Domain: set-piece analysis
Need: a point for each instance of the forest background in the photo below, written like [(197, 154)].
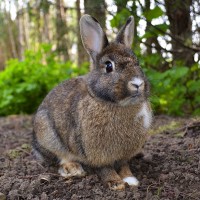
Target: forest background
[(40, 46)]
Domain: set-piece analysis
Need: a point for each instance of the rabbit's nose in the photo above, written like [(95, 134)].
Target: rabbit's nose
[(136, 84)]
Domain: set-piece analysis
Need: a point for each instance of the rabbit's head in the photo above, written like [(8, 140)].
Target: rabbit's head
[(116, 75)]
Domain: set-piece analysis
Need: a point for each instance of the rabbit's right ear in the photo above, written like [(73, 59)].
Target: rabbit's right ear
[(93, 37)]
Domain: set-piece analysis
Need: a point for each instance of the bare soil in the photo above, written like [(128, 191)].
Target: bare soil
[(168, 169)]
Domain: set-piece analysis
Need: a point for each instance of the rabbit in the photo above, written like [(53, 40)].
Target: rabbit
[(100, 119)]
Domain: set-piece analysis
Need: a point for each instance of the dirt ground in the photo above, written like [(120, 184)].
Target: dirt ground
[(168, 169)]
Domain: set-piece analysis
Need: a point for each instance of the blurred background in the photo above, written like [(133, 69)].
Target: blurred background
[(40, 46)]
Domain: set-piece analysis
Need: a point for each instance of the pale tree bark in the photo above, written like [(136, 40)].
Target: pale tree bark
[(45, 5), (46, 27), (82, 56), (12, 41), (20, 31), (10, 34), (3, 55), (61, 30), (26, 30), (38, 24)]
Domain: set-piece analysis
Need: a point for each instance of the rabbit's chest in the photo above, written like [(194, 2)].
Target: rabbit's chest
[(111, 134)]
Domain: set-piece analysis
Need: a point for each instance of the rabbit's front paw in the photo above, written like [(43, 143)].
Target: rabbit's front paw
[(116, 185), (71, 169)]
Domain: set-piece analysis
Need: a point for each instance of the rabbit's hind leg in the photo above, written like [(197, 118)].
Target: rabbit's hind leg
[(127, 176), (46, 140), (110, 177), (70, 169)]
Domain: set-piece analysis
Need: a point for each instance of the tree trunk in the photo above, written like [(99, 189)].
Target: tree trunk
[(20, 36), (149, 40), (97, 10), (61, 29), (10, 34), (46, 27), (81, 52), (11, 38), (20, 31), (178, 13), (45, 6), (153, 39), (25, 30)]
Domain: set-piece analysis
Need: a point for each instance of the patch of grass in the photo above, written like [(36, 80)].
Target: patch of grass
[(166, 127), (13, 153), (18, 151)]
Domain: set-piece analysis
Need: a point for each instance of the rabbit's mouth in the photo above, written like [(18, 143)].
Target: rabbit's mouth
[(133, 99), (136, 95)]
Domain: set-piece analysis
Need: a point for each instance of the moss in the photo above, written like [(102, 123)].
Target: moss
[(18, 151), (166, 127)]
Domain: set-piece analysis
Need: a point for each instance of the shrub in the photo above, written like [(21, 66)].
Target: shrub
[(174, 92), (23, 84)]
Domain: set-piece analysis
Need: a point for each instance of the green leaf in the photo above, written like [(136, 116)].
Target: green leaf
[(148, 34), (179, 72), (162, 27), (120, 18), (193, 85), (154, 13)]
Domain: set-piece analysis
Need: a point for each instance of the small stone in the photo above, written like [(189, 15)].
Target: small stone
[(81, 185), (2, 196), (44, 196), (88, 187), (148, 158), (177, 192), (74, 197), (163, 177), (44, 178), (13, 194), (121, 195), (155, 197), (137, 195)]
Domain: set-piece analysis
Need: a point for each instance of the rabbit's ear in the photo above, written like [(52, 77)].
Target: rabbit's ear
[(126, 33), (93, 37)]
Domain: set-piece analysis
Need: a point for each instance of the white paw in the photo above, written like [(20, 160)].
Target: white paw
[(131, 181), (63, 172)]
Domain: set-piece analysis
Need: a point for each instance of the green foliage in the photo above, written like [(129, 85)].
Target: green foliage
[(156, 30), (174, 92), (23, 84), (154, 13), (120, 18)]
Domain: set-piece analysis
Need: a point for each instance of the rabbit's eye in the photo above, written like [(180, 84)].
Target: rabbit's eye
[(109, 66)]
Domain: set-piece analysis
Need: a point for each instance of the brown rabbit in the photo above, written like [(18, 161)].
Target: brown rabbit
[(100, 119)]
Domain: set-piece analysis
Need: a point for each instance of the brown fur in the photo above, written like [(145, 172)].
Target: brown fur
[(94, 119)]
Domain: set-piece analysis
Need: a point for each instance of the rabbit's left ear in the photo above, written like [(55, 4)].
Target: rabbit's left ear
[(126, 33)]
